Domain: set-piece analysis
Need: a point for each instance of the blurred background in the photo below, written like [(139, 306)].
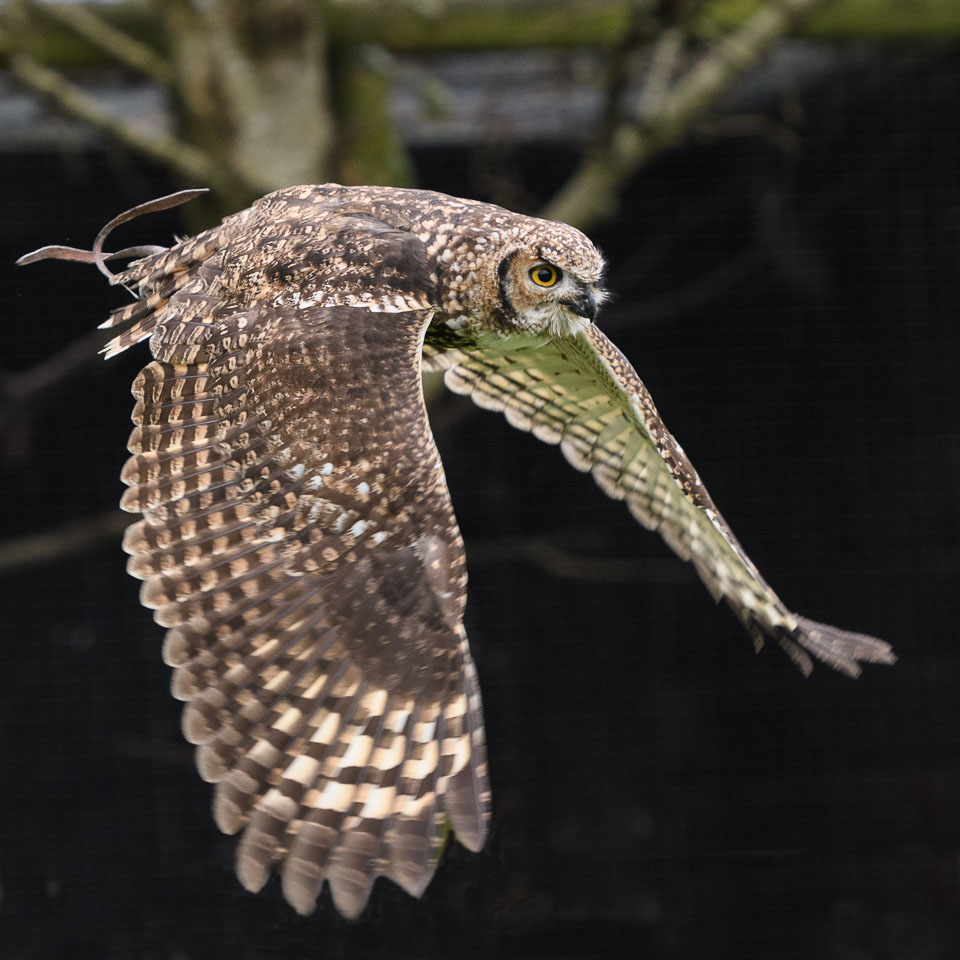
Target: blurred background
[(776, 186)]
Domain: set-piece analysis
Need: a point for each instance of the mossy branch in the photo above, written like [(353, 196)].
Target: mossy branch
[(592, 192), (115, 43), (371, 149), (182, 158), (401, 25)]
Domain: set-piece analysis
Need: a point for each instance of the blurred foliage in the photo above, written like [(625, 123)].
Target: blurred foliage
[(267, 93)]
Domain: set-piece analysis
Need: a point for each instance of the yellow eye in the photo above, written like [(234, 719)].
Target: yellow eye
[(545, 275)]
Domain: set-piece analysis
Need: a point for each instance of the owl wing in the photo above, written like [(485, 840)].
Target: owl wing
[(297, 540), (582, 393)]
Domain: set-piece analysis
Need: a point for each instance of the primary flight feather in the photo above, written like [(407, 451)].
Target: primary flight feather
[(297, 537)]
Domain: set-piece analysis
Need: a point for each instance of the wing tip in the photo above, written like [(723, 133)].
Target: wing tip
[(843, 650), (352, 874), (466, 803)]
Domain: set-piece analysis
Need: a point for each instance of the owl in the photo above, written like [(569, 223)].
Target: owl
[(296, 536)]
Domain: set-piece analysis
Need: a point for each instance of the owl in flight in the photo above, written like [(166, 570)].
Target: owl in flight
[(297, 537)]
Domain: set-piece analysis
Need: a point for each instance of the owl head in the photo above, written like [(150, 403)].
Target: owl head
[(515, 275), (548, 278), (544, 291)]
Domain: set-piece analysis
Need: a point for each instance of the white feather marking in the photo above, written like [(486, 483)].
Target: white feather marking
[(379, 803), (456, 383), (487, 401), (264, 753), (424, 732), (458, 750), (327, 730), (278, 805), (419, 769), (517, 418), (289, 721), (303, 770), (357, 752), (575, 456), (335, 796), (357, 529), (545, 432), (386, 758), (413, 807)]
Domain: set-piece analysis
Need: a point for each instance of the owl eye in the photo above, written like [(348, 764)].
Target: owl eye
[(545, 275)]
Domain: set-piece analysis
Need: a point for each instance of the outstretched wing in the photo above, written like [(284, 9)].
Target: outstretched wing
[(299, 543), (582, 393)]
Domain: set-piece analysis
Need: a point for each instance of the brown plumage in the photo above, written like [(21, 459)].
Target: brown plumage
[(297, 538)]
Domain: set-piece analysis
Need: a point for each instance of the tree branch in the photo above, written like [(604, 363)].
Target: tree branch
[(185, 160), (401, 25), (592, 192), (70, 540), (620, 66), (117, 44), (663, 66), (21, 388)]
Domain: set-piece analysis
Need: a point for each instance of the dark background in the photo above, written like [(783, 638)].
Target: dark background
[(659, 791)]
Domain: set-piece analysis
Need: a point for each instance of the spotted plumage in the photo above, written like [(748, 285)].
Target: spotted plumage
[(297, 538)]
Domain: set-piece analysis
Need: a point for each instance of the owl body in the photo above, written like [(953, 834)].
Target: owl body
[(297, 537)]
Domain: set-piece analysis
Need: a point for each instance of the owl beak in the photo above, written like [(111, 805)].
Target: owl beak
[(584, 305)]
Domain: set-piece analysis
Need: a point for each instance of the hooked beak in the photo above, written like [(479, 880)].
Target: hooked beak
[(584, 305)]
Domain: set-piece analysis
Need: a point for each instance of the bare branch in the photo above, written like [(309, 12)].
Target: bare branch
[(259, 107), (70, 540), (20, 388), (403, 26), (592, 191), (663, 67), (117, 44), (183, 158), (19, 392), (619, 65)]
